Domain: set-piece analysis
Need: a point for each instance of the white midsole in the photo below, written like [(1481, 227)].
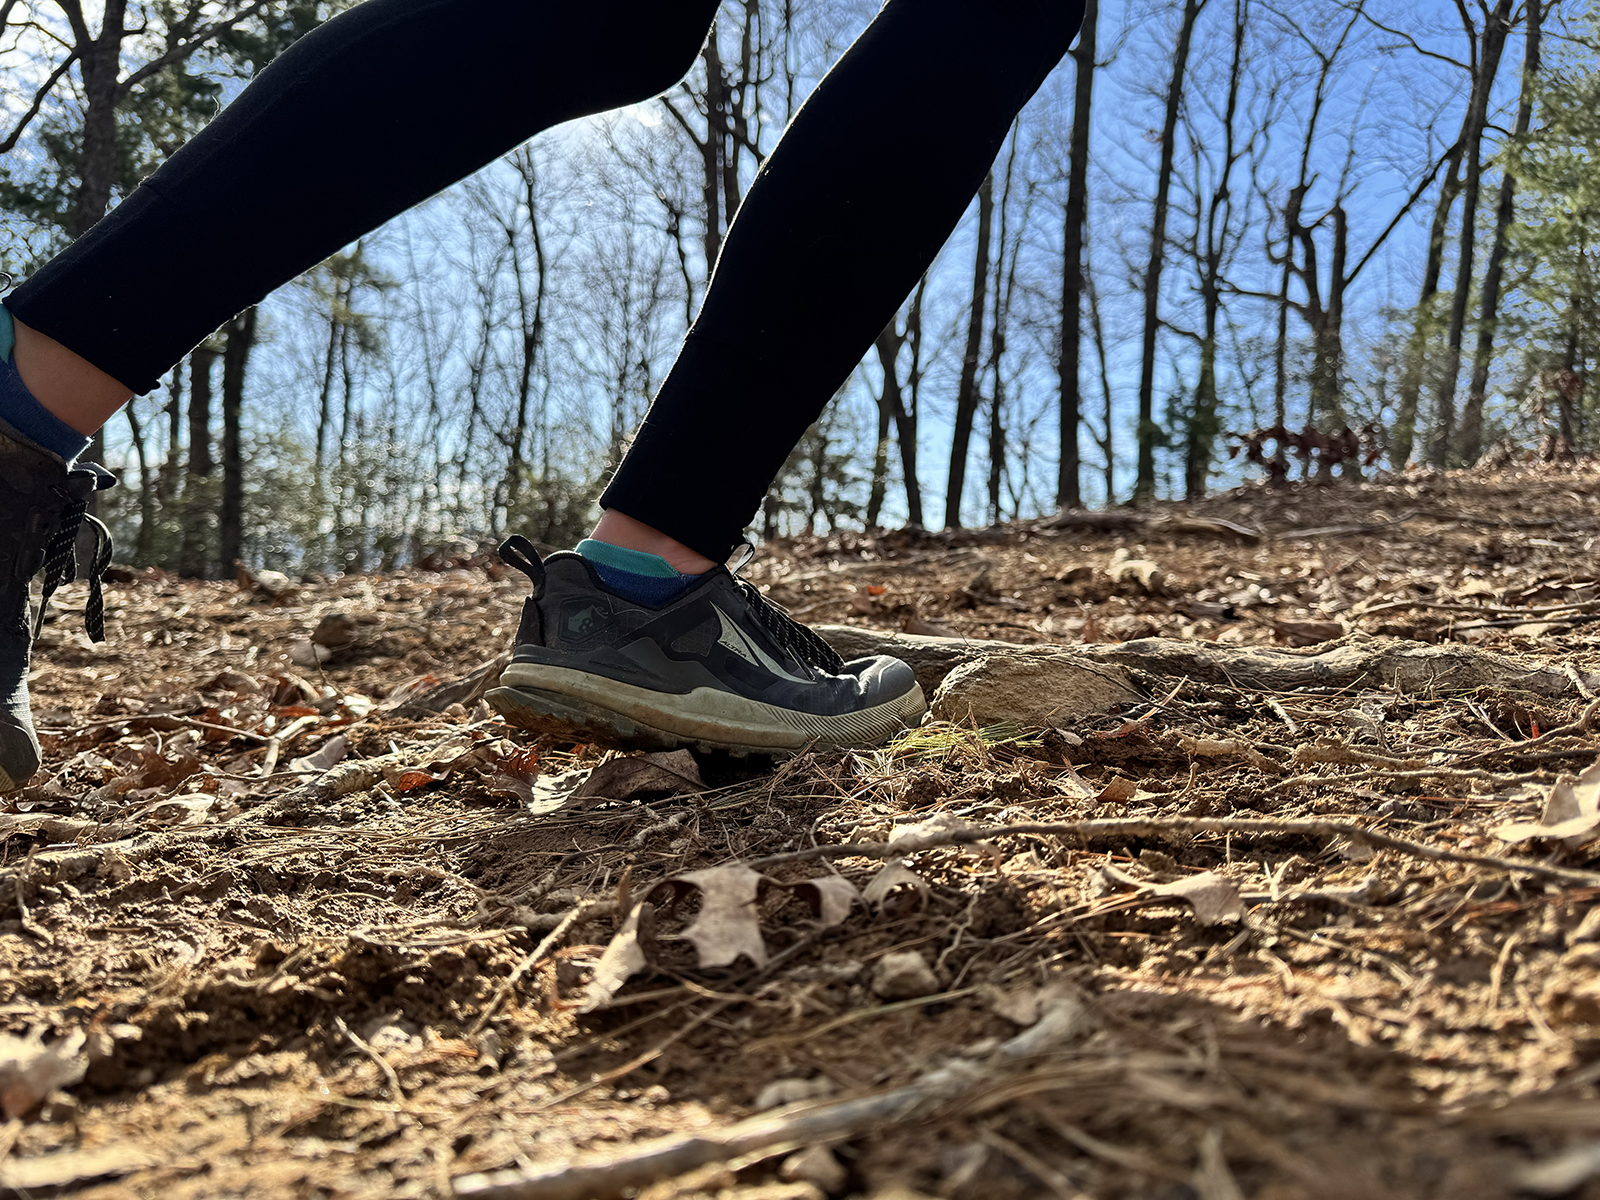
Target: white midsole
[(718, 715)]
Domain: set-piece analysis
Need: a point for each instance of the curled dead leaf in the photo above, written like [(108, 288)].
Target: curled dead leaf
[(627, 954), (674, 773), (1571, 811), (893, 877)]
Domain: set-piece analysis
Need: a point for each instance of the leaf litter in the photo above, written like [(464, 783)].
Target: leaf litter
[(1297, 954)]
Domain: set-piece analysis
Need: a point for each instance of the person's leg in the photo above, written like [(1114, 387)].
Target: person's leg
[(841, 221), (843, 218), (364, 117), (367, 115)]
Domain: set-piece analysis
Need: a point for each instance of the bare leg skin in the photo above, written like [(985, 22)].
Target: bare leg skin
[(71, 388), (619, 529)]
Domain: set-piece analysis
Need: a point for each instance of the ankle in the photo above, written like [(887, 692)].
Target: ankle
[(619, 529), (69, 387)]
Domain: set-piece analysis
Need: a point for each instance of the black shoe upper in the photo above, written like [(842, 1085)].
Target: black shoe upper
[(721, 633), (43, 504)]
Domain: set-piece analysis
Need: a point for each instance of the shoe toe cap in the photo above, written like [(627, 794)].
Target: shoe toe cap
[(882, 678)]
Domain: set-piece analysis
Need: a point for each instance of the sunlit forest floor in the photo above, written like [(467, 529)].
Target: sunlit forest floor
[(278, 921)]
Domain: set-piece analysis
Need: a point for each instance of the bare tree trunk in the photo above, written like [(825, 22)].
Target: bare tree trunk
[(967, 390), (713, 148), (907, 408), (1109, 446), (1145, 482), (531, 311), (167, 476), (1203, 426), (144, 542), (1494, 271), (193, 558), (100, 62), (1069, 492), (1004, 285), (1497, 24), (241, 339)]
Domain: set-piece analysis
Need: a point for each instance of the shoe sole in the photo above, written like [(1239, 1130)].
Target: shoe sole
[(577, 706)]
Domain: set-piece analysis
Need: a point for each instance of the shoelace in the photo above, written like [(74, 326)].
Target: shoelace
[(61, 563), (800, 642)]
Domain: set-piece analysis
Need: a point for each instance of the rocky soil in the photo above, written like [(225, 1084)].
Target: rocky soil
[(1259, 861)]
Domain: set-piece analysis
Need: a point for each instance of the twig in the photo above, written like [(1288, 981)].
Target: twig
[(1579, 727), (367, 1048), (1175, 827), (524, 966), (603, 1177)]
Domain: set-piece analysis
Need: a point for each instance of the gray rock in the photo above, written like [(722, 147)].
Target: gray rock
[(1031, 689), (903, 976)]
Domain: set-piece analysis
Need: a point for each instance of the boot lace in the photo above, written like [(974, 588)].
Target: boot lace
[(61, 563), (801, 643)]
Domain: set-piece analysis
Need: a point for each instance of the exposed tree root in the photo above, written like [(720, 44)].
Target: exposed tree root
[(1356, 661)]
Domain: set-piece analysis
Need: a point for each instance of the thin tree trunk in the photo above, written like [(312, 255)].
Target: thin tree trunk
[(1145, 481), (908, 407), (1069, 492), (967, 390), (1004, 283), (241, 339), (167, 476), (888, 345), (1098, 329), (1495, 28), (1494, 271), (1203, 426), (100, 62), (193, 558), (144, 542), (714, 148)]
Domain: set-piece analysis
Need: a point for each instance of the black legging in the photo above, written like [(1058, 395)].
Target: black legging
[(393, 100)]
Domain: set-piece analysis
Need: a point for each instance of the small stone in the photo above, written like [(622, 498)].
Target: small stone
[(792, 1091), (903, 976), (815, 1165)]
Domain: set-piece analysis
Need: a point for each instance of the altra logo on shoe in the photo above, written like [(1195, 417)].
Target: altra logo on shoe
[(735, 640), (584, 622)]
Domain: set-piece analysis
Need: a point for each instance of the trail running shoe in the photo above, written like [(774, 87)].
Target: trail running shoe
[(43, 503), (719, 668)]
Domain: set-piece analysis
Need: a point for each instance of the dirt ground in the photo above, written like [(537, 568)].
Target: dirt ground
[(273, 926)]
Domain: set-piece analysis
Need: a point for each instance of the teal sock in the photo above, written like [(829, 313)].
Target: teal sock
[(642, 577), (22, 411)]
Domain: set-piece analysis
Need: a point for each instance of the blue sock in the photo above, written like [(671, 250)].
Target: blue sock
[(645, 578), (26, 415)]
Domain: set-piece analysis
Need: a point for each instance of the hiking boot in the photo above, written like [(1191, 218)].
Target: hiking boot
[(719, 668), (43, 503)]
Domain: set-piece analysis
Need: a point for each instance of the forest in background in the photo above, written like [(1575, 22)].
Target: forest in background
[(1224, 235)]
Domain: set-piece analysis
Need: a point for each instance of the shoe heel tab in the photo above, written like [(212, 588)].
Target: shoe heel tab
[(517, 551)]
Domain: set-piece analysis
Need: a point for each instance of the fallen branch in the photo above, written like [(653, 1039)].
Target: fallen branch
[(1176, 827), (602, 1177), (1356, 661)]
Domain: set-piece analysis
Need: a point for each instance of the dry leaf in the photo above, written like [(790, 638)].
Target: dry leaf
[(890, 879), (409, 779), (1215, 898), (329, 754), (30, 1070), (626, 955), (729, 923), (1571, 811), (674, 773), (193, 809), (831, 897), (1118, 791)]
